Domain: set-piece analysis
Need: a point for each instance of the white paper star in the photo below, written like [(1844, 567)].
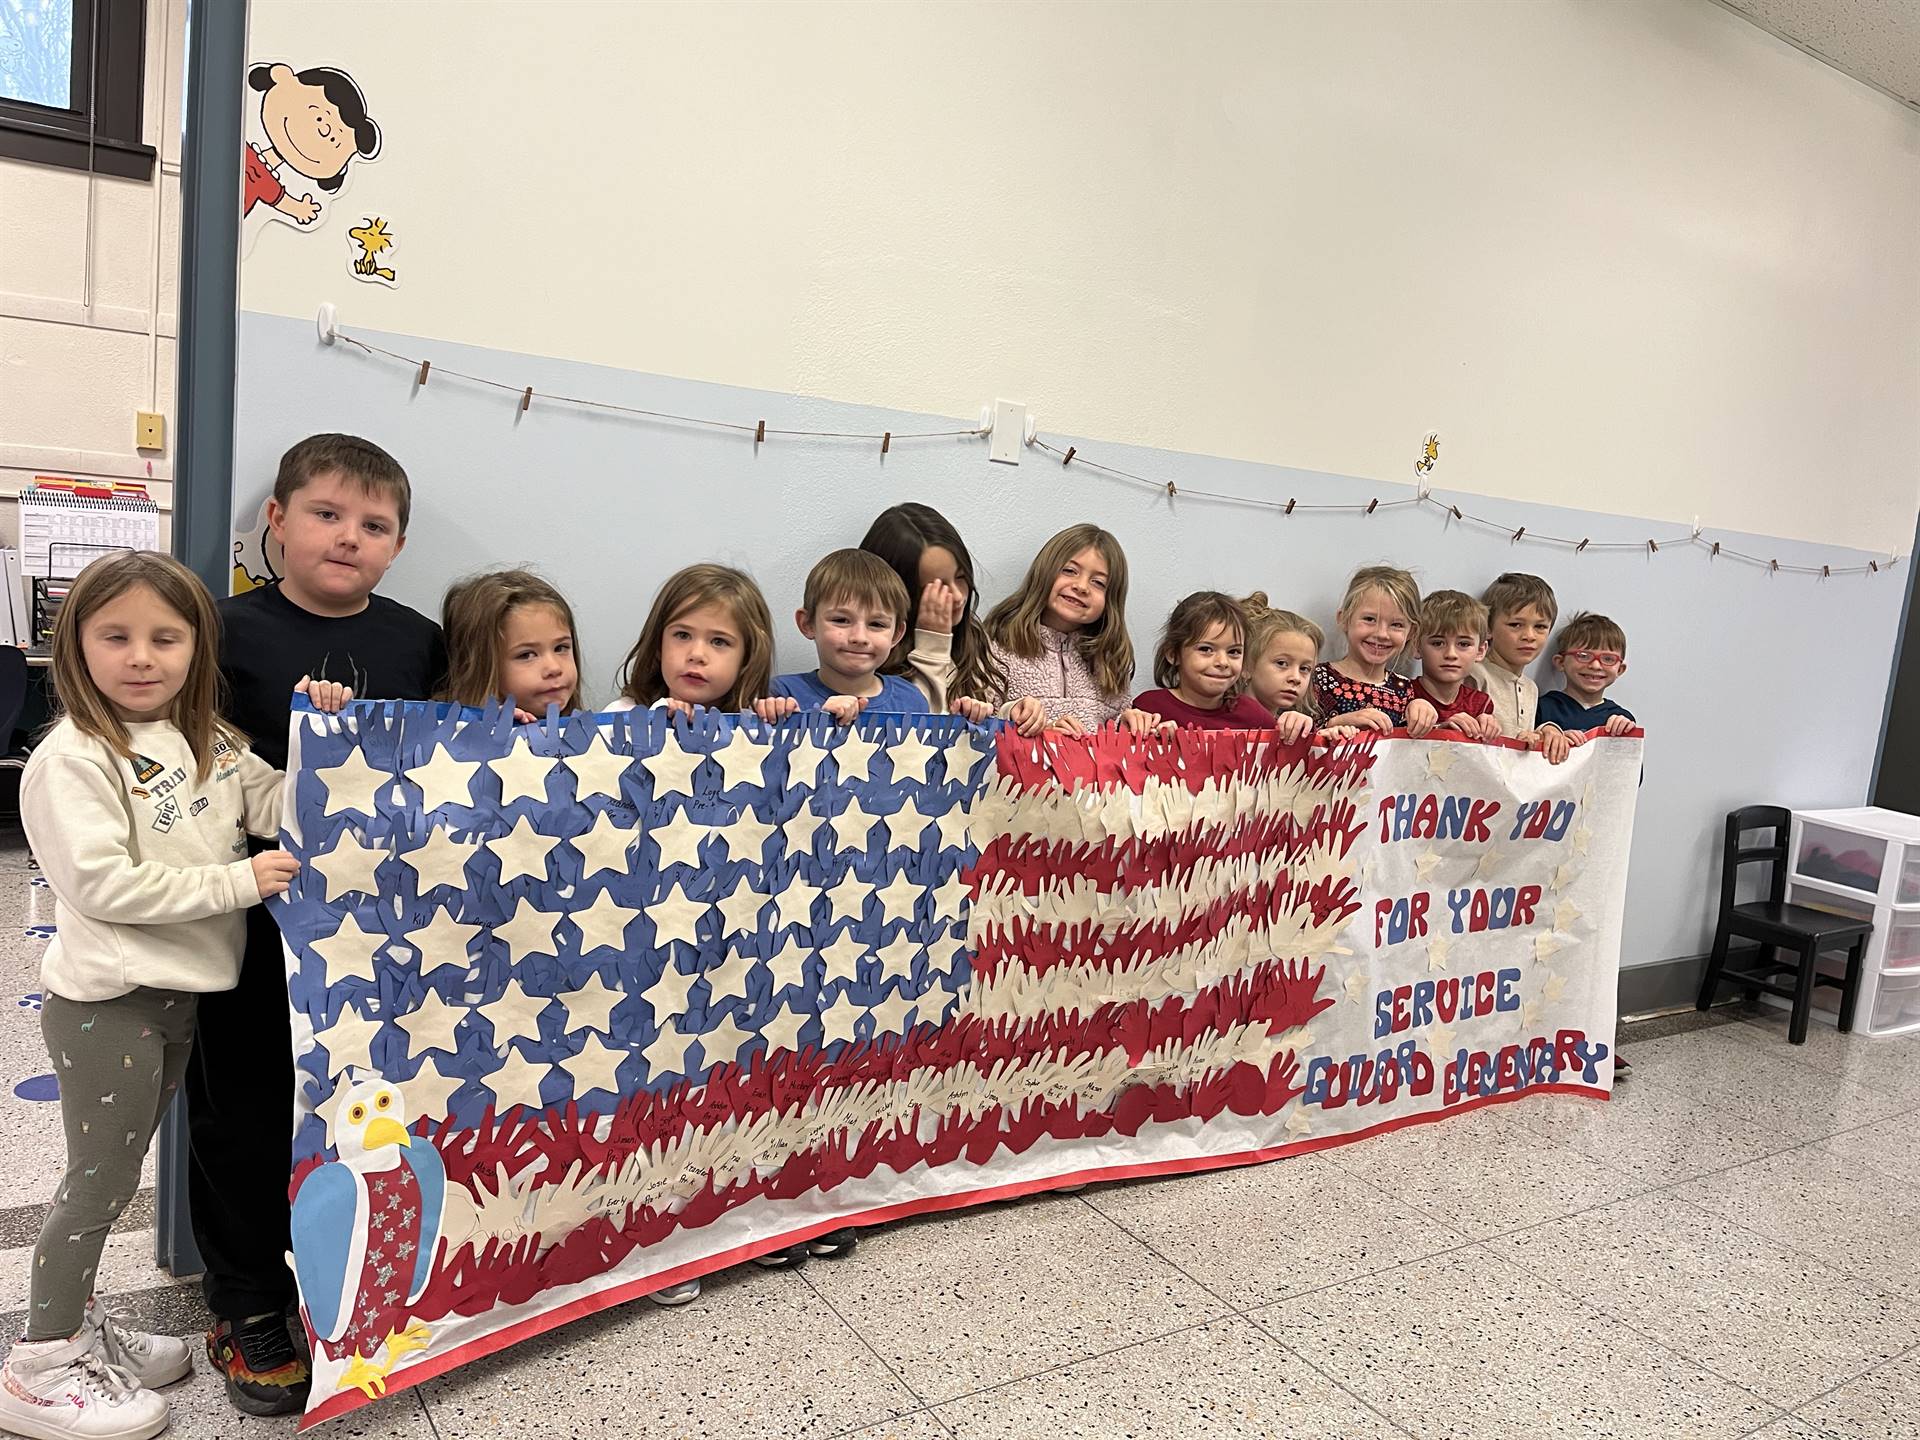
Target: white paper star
[(591, 1006), (950, 898), (1440, 758), (795, 900), (788, 965), (514, 1016), (672, 768), (849, 897), (906, 825), (1437, 949), (523, 774), (350, 950), (781, 1030), (740, 758), (1427, 862), (910, 755), (349, 866), (430, 1025), (429, 1093), (740, 910), (516, 1082), (837, 1020), (595, 1066), (349, 1040), (1555, 987), (1547, 944), (746, 838), (1298, 1125), (955, 824), (897, 956), (351, 785), (1582, 837), (1492, 861), (1564, 914), (667, 996), (898, 897), (1565, 875), (731, 976), (891, 1013), (1358, 984), (443, 941), (800, 829), (597, 770), (530, 931), (605, 846), (721, 1044), (444, 780), (963, 757), (667, 1055), (442, 860), (842, 958), (523, 850), (803, 761), (603, 924), (680, 840), (851, 825), (675, 917)]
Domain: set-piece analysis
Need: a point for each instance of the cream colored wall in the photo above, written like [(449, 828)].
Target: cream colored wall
[(1635, 256), (87, 304)]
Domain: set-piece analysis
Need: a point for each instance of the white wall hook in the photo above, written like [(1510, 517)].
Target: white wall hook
[(1033, 426), (327, 323)]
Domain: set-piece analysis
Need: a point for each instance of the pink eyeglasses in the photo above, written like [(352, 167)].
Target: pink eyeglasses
[(1612, 659)]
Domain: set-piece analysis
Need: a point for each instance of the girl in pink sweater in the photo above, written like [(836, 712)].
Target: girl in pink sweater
[(1062, 639)]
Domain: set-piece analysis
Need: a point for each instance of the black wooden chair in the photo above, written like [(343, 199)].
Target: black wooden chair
[(1798, 931)]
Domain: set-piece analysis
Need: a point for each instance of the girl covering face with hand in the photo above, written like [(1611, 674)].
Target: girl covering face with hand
[(945, 649)]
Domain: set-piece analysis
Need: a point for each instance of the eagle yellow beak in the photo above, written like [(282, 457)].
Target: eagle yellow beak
[(384, 1130)]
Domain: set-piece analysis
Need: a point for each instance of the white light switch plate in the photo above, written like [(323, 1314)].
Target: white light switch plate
[(1009, 431)]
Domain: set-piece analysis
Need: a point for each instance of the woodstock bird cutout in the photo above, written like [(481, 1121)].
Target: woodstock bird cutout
[(365, 1228), (374, 239)]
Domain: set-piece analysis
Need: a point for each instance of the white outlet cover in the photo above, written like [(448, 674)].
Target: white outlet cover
[(1009, 431)]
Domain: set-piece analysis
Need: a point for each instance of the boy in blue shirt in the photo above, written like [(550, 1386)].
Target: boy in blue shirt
[(855, 611), (1591, 654)]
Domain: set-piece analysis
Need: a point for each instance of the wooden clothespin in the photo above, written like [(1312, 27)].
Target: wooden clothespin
[(1715, 550), (1826, 572), (526, 400), (1456, 512), (886, 441), (1290, 505), (421, 378), (760, 433), (1581, 546), (1373, 504), (1873, 567), (1653, 547), (1067, 459), (1170, 490), (1518, 533), (1772, 565)]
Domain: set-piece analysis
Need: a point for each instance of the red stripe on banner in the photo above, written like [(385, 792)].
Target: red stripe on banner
[(430, 1366)]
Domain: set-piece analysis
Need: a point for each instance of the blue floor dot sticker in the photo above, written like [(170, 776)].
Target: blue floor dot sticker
[(38, 1087), (29, 1001), (39, 932)]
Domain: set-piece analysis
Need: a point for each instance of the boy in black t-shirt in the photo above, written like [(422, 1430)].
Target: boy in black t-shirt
[(339, 510)]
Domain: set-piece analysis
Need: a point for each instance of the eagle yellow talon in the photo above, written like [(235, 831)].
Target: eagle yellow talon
[(407, 1342), (365, 1376)]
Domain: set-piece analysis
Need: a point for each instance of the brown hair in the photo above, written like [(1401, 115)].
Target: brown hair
[(856, 577), (1014, 624), (1451, 612), (1396, 584), (899, 535), (1588, 631), (358, 460), (474, 616), (1264, 623), (689, 589), (1514, 591), (1192, 618), (195, 711)]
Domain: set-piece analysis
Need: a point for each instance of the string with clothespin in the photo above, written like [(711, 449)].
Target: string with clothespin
[(759, 430), (1515, 534)]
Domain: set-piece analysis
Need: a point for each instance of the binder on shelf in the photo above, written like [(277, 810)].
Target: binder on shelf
[(65, 524)]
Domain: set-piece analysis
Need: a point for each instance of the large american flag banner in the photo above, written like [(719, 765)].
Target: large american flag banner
[(588, 1007)]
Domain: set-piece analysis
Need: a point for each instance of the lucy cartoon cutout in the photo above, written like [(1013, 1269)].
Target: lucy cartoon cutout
[(315, 123)]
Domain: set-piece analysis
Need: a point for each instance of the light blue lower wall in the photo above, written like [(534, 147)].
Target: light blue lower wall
[(1753, 687)]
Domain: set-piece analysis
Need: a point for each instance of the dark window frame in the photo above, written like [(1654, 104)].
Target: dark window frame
[(101, 129)]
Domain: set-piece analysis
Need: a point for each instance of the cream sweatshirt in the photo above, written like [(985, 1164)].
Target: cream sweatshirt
[(1515, 697), (147, 864)]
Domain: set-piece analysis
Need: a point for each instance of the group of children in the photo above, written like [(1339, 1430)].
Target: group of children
[(152, 804)]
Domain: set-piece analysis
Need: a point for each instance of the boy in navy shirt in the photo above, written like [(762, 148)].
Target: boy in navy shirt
[(1592, 654), (854, 611)]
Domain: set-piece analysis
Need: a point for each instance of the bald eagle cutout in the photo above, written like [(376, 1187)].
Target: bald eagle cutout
[(365, 1228)]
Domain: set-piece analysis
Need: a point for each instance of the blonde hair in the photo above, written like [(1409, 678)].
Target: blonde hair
[(690, 589), (1192, 618), (1397, 585), (856, 577), (1014, 624), (474, 616), (1265, 624), (195, 711), (1452, 612), (1588, 631), (1514, 591)]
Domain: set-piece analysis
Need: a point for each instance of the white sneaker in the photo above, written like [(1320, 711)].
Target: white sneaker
[(683, 1293), (152, 1360), (61, 1389)]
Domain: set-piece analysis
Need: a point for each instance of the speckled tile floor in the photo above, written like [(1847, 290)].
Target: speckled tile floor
[(1731, 1247)]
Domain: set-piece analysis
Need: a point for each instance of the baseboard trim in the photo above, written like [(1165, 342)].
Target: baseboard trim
[(1670, 985)]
